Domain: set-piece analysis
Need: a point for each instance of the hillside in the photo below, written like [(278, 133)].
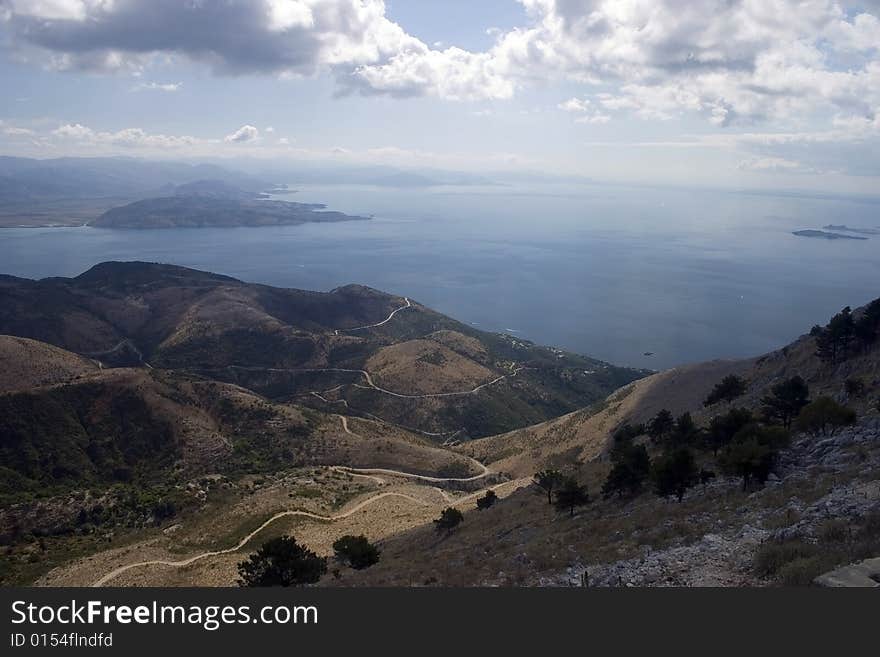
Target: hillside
[(327, 350), (118, 450), (818, 510), (27, 364)]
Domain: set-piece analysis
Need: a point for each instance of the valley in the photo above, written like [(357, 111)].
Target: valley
[(160, 423)]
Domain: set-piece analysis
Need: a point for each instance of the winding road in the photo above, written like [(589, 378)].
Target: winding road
[(356, 472), (367, 473), (384, 321), (372, 385)]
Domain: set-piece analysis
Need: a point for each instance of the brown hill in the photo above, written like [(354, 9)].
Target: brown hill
[(288, 344), (28, 363)]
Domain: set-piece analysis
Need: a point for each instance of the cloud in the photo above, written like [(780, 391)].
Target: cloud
[(769, 164), (729, 61), (128, 137), (157, 86), (574, 105), (245, 134)]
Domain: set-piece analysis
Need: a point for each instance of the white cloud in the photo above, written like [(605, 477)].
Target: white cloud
[(769, 164), (128, 137), (575, 105), (245, 134), (169, 87), (729, 61)]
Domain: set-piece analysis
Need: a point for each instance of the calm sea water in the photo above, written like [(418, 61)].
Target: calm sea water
[(613, 272)]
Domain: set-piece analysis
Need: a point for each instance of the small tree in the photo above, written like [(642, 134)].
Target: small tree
[(753, 452), (727, 390), (487, 500), (630, 470), (723, 428), (824, 417), (571, 495), (854, 388), (661, 424), (449, 519), (549, 480), (356, 551), (786, 401), (833, 342), (685, 433), (281, 562), (674, 473)]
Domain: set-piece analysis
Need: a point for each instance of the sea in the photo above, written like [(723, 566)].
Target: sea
[(640, 276)]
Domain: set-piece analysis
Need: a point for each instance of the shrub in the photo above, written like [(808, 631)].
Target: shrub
[(675, 472), (356, 551), (771, 557), (487, 500), (802, 572), (449, 519), (281, 562), (824, 417), (631, 468), (549, 480), (727, 390), (786, 400), (571, 495)]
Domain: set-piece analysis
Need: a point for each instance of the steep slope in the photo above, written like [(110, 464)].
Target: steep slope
[(28, 363), (289, 344), (819, 509)]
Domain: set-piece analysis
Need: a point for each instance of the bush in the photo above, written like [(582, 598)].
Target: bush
[(449, 519), (549, 480), (753, 452), (281, 562), (356, 551), (487, 500), (824, 417), (630, 470), (674, 473), (771, 557), (786, 401), (727, 390), (802, 572), (571, 495)]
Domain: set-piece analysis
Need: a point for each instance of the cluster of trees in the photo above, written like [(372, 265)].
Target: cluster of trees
[(284, 562), (563, 491), (846, 335), (281, 562), (745, 444)]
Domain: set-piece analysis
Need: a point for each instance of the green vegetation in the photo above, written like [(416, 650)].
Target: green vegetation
[(727, 390), (449, 519), (80, 435), (356, 551), (674, 473), (824, 417), (631, 468), (753, 452), (487, 501), (785, 401), (722, 428), (846, 335), (571, 495), (661, 425), (281, 562), (549, 480)]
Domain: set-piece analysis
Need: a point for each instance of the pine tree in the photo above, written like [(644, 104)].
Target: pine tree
[(786, 401)]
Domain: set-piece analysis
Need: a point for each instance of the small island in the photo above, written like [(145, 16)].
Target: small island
[(822, 234), (846, 229)]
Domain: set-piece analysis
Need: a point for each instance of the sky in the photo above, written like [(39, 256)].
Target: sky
[(781, 94)]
